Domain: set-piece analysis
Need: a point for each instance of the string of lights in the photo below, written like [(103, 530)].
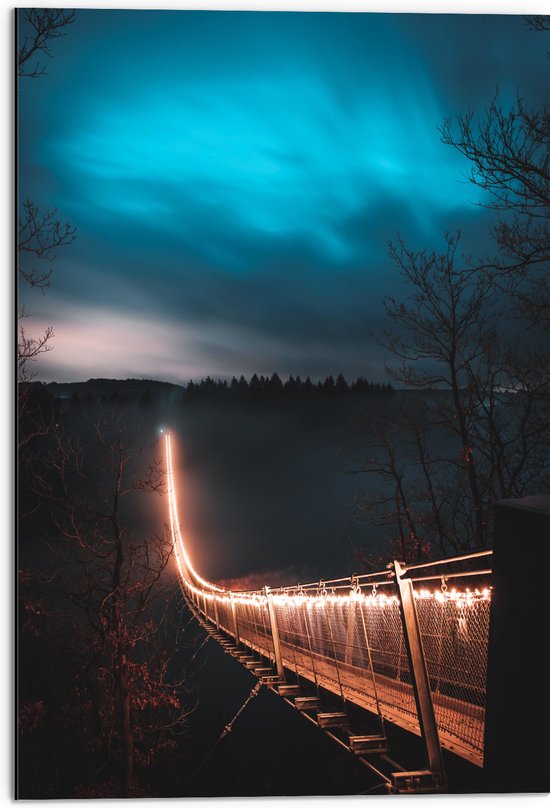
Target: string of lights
[(344, 591)]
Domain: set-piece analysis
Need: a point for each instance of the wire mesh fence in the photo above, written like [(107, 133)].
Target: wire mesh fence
[(348, 636), (455, 634)]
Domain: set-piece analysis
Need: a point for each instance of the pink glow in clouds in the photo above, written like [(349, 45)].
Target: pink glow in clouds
[(92, 342), (98, 342)]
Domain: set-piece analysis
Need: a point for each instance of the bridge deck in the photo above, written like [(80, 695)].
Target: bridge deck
[(355, 638), (395, 697)]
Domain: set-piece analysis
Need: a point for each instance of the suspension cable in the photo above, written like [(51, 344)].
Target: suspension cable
[(226, 730), (203, 643)]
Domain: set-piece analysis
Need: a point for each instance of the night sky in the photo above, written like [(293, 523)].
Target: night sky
[(234, 179)]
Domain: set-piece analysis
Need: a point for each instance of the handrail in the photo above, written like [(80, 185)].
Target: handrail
[(187, 571), (480, 554), (402, 660)]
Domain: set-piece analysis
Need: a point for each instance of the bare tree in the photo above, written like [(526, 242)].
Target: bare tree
[(393, 504), (509, 153), (477, 429), (460, 331), (41, 25), (421, 491), (439, 338), (538, 22), (40, 234), (107, 588)]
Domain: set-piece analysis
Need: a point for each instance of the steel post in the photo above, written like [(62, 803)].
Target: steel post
[(274, 633), (235, 621), (419, 672)]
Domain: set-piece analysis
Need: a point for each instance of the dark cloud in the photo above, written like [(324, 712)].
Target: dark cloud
[(235, 178)]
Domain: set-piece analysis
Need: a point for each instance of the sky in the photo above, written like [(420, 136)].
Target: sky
[(234, 178)]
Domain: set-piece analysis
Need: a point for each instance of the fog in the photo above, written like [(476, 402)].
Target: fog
[(266, 493)]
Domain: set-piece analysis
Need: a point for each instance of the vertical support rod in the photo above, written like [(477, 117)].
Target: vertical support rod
[(331, 635), (308, 635), (216, 615), (235, 622), (371, 666), (205, 606), (419, 672), (350, 633), (274, 633)]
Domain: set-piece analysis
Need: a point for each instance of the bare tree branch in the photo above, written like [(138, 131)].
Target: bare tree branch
[(43, 25)]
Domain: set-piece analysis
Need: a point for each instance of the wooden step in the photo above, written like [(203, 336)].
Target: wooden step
[(417, 782), (306, 702), (332, 719), (289, 690), (368, 744)]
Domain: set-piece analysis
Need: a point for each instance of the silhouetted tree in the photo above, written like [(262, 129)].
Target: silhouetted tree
[(275, 384), (39, 26), (393, 506), (448, 334), (509, 152), (290, 385), (495, 414), (265, 389), (40, 234), (254, 387), (341, 384), (102, 595)]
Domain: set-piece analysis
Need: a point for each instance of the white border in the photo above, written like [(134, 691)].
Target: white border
[(7, 353)]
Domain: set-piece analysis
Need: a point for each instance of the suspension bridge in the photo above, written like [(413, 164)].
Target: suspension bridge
[(406, 646)]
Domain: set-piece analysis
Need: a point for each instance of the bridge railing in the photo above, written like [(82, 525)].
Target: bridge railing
[(348, 635)]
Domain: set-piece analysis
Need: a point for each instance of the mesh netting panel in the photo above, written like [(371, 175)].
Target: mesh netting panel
[(289, 633), (455, 635), (354, 645), (253, 626), (246, 623), (379, 623)]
